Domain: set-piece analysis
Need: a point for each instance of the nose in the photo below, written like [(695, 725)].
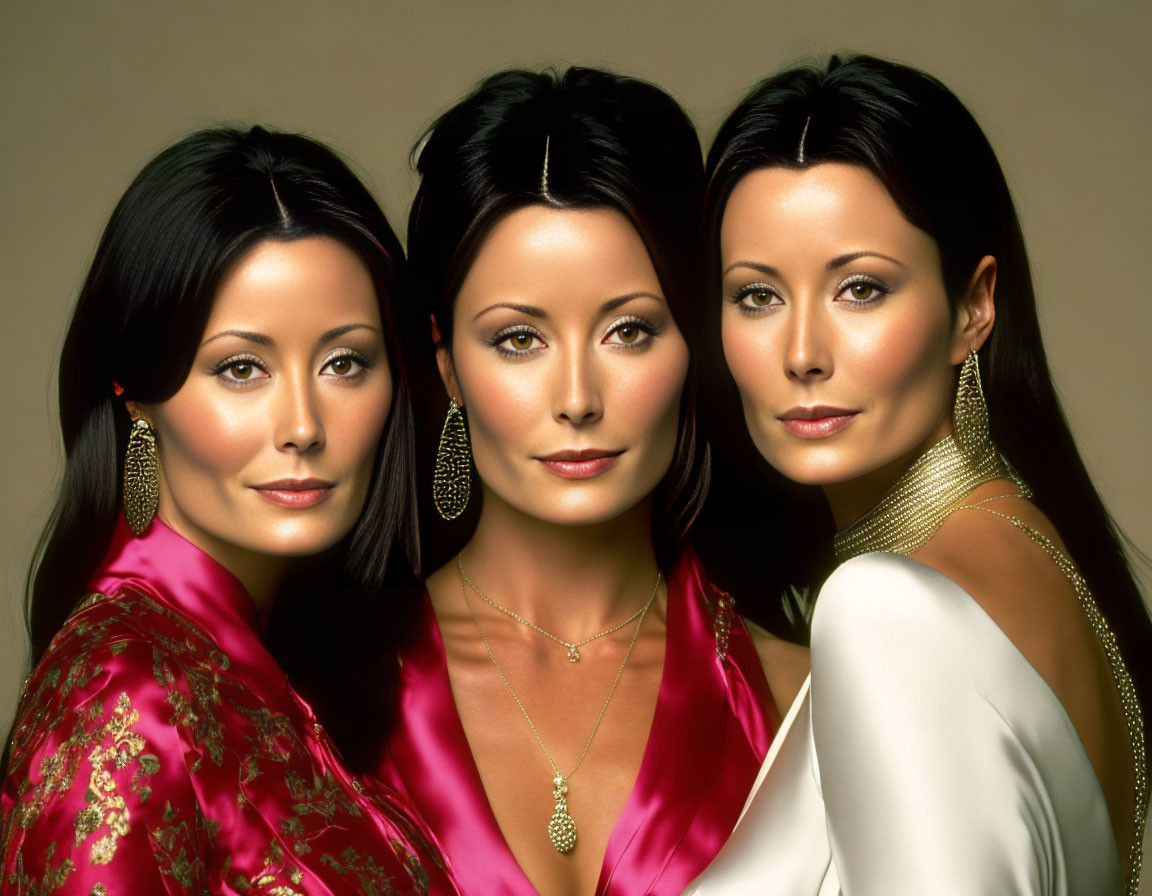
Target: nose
[(577, 396), (807, 353), (299, 424)]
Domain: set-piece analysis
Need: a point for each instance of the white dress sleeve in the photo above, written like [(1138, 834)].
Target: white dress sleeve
[(945, 762)]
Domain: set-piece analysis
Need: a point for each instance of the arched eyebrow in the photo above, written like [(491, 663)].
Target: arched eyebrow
[(540, 313), (753, 265), (838, 262), (263, 339), (246, 335)]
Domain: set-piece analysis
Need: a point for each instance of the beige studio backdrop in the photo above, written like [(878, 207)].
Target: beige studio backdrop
[(90, 91)]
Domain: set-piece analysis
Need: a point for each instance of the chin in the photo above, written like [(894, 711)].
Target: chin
[(813, 470), (581, 513), (303, 541)]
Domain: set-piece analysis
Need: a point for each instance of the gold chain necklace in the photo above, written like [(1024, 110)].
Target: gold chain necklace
[(573, 646), (1129, 703), (561, 827), (909, 514)]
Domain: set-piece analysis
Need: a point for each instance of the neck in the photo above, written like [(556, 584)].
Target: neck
[(575, 578), (852, 499), (909, 512), (260, 574)]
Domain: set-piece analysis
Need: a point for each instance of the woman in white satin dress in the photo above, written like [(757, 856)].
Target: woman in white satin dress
[(973, 720)]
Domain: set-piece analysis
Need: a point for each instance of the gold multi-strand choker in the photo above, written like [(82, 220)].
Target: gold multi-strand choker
[(915, 507)]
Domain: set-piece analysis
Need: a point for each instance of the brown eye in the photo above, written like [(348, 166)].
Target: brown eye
[(863, 292), (628, 335), (241, 370), (755, 297), (342, 366), (522, 341)]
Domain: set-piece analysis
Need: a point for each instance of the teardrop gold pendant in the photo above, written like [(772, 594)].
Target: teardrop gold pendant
[(561, 827)]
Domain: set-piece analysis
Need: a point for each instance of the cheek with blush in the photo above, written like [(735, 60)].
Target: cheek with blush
[(755, 363)]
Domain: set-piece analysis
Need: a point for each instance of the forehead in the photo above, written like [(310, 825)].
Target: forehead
[(828, 207), (558, 258), (293, 284)]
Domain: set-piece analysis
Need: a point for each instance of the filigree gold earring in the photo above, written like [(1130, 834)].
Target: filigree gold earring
[(970, 412), (141, 476), (452, 477)]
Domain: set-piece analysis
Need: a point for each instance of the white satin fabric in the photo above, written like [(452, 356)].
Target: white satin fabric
[(924, 755)]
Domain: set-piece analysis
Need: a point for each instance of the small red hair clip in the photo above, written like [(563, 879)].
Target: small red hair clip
[(117, 389)]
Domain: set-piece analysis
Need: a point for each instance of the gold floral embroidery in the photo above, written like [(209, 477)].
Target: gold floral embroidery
[(176, 849), (106, 806), (277, 877), (233, 729), (373, 879), (274, 738), (50, 881)]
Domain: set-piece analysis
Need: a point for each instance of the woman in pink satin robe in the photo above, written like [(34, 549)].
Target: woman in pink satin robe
[(232, 400), (581, 711)]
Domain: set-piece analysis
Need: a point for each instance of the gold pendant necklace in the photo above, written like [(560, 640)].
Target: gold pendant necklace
[(561, 826), (909, 514), (573, 646)]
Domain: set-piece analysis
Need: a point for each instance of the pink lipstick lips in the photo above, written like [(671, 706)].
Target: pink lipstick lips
[(295, 493), (816, 422), (583, 464)]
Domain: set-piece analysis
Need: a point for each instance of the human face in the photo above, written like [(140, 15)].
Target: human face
[(569, 364), (836, 324), (266, 450)]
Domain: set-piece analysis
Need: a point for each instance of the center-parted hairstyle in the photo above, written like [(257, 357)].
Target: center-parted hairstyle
[(917, 138), (191, 213), (610, 142)]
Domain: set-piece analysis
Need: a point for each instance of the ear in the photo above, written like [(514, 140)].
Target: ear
[(976, 312), (444, 364), (137, 411)]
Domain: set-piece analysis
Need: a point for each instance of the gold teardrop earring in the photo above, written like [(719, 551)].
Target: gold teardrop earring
[(141, 476), (452, 477), (970, 412)]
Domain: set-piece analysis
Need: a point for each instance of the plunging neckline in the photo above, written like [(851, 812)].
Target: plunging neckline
[(647, 840)]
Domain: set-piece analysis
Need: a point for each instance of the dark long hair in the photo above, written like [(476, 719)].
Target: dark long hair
[(919, 140), (613, 142), (190, 213)]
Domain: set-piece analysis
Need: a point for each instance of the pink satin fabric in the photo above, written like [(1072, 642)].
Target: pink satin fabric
[(159, 749), (713, 725)]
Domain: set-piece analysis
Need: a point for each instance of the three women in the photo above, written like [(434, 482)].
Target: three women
[(571, 672)]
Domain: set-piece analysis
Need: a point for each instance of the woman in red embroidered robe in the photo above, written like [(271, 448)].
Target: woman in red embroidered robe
[(235, 349)]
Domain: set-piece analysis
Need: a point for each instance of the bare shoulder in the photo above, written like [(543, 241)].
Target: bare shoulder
[(1016, 582), (785, 664)]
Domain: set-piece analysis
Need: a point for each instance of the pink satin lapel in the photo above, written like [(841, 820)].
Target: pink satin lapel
[(712, 728), (430, 763)]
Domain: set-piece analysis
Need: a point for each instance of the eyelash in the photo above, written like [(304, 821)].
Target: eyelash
[(752, 288), (862, 280), (349, 355), (504, 335), (226, 365), (646, 327)]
